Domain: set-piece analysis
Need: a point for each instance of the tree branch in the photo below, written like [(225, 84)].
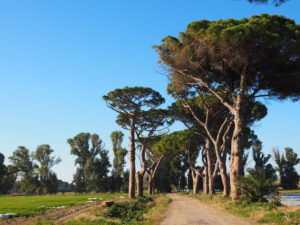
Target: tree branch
[(205, 84)]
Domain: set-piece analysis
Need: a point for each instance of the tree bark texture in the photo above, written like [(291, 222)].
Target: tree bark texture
[(225, 178), (131, 188), (196, 178), (205, 183), (211, 189), (236, 148), (139, 184), (151, 185)]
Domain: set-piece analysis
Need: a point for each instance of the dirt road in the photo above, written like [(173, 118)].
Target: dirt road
[(185, 210)]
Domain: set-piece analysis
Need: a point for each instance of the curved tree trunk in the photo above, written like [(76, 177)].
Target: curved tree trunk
[(211, 189), (131, 188), (224, 177)]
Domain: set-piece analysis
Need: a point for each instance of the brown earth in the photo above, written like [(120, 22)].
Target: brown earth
[(184, 210)]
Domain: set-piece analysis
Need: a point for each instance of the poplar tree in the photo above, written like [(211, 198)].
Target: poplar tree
[(92, 160), (119, 152), (23, 166), (7, 179), (119, 160), (48, 179)]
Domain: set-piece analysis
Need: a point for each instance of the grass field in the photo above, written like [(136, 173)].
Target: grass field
[(32, 205)]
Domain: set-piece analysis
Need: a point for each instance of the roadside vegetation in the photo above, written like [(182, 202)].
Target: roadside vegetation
[(260, 212), (142, 211)]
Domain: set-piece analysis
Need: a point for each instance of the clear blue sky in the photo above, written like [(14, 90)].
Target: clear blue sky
[(58, 57)]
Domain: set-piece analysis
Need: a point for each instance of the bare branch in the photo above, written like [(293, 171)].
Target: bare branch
[(212, 90)]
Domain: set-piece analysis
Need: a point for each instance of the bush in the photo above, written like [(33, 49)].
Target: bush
[(126, 211), (129, 211), (256, 186)]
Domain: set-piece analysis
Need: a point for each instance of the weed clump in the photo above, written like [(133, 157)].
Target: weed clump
[(130, 211)]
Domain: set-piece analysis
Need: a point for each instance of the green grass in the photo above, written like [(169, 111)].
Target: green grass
[(32, 205), (260, 212)]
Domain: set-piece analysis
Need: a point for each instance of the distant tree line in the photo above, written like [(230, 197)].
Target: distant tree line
[(275, 2), (30, 173)]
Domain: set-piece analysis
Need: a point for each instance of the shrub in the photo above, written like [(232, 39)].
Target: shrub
[(126, 211), (256, 186)]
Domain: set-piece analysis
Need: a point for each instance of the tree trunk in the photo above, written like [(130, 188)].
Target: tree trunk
[(211, 185), (222, 168), (236, 148), (139, 184), (195, 177), (140, 174), (224, 177), (205, 183), (179, 183), (211, 189), (151, 185), (131, 188)]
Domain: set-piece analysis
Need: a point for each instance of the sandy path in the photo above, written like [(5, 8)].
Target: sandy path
[(185, 210)]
